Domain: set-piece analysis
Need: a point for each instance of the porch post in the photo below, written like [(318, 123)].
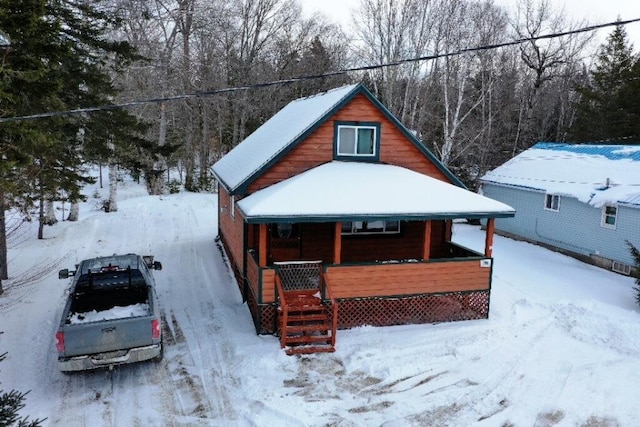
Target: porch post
[(337, 243), (426, 244), (262, 248), (488, 241), (448, 230)]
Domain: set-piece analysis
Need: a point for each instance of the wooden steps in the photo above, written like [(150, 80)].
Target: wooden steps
[(305, 325)]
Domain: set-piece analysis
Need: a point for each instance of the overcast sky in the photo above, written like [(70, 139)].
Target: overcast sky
[(594, 11)]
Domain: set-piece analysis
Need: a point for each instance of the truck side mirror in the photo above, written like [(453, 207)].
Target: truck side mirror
[(157, 265), (63, 274)]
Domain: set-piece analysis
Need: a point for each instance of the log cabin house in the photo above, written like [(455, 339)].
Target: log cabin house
[(334, 215)]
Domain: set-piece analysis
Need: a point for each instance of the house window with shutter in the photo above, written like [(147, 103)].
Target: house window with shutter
[(357, 141), (552, 202), (609, 216)]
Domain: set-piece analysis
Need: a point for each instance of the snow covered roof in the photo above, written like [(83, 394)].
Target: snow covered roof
[(292, 124), (354, 190), (594, 174), (276, 134)]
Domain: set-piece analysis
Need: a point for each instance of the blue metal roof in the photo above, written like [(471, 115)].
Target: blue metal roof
[(611, 152)]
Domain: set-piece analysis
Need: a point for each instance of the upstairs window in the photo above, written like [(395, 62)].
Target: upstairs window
[(371, 227), (357, 140), (609, 216), (552, 202)]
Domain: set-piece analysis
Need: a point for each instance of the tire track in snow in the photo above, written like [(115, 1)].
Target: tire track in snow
[(199, 373)]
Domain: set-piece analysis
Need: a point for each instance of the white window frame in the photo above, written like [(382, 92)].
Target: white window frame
[(548, 202), (605, 214), (355, 145), (621, 268), (361, 228)]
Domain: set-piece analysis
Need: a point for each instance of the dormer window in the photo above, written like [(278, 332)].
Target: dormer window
[(357, 140)]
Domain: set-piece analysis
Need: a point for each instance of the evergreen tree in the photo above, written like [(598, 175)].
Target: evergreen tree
[(60, 58), (11, 403), (605, 111)]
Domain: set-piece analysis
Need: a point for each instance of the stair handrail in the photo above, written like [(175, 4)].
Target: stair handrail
[(334, 307), (285, 309)]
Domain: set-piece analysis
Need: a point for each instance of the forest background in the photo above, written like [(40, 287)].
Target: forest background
[(158, 85)]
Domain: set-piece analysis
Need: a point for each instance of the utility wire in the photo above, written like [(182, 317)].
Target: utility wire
[(201, 94)]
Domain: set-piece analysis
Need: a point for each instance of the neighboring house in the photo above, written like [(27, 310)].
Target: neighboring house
[(582, 200), (334, 215)]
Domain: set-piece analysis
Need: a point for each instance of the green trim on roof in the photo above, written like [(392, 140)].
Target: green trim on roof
[(242, 188), (411, 137), (272, 219)]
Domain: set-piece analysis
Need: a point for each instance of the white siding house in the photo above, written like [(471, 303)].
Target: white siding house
[(583, 200)]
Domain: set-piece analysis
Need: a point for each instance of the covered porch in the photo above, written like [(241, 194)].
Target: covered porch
[(383, 242), (415, 276)]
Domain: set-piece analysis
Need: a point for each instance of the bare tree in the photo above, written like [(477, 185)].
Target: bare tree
[(545, 59)]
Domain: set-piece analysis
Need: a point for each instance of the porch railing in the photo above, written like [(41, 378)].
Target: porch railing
[(293, 278)]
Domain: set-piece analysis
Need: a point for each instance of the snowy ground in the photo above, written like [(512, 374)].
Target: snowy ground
[(561, 346)]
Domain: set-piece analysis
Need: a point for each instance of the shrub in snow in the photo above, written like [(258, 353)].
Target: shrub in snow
[(10, 404), (174, 186)]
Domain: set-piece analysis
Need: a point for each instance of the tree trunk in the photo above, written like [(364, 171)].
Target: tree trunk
[(74, 212), (113, 188), (41, 218), (4, 272), (49, 213)]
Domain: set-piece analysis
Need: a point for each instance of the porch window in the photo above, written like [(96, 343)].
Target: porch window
[(609, 216), (552, 202), (371, 227), (357, 140)]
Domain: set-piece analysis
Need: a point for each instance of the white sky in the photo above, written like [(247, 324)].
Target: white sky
[(595, 11)]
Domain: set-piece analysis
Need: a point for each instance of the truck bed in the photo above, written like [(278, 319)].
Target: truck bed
[(111, 316)]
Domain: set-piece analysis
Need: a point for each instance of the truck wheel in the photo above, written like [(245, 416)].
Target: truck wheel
[(159, 357)]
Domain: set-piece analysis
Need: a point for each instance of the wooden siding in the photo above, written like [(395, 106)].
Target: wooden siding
[(268, 286), (387, 280), (317, 148), (231, 229), (253, 273)]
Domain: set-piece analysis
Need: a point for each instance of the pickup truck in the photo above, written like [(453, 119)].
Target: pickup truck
[(111, 316)]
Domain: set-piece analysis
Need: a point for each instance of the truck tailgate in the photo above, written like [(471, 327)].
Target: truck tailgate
[(107, 335)]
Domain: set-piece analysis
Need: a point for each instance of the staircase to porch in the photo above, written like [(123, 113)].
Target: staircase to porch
[(307, 323)]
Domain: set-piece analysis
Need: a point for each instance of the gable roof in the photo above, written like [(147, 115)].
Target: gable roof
[(281, 133), (594, 174), (351, 191)]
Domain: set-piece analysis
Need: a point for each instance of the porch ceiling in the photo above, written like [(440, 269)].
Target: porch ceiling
[(347, 191)]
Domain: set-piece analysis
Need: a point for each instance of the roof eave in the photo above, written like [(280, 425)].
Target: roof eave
[(316, 218), (242, 187), (411, 137)]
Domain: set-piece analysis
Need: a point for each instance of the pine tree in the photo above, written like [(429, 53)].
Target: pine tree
[(60, 58), (11, 403), (604, 111), (635, 252)]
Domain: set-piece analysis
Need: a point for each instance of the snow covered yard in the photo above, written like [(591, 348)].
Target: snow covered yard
[(561, 346)]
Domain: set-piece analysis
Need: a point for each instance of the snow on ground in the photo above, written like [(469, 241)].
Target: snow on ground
[(561, 346)]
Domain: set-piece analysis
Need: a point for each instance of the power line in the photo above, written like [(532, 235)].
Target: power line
[(201, 94)]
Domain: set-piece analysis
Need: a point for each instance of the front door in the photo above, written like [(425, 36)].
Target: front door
[(285, 242)]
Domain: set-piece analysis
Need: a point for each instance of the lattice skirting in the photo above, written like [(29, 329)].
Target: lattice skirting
[(391, 311)]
